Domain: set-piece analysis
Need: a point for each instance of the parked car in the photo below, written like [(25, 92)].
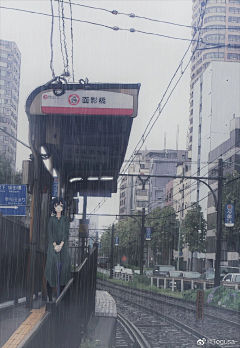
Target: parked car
[(191, 275), (232, 277), (174, 274), (163, 269), (208, 274), (148, 272)]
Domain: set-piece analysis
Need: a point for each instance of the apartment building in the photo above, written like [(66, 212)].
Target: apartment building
[(10, 62)]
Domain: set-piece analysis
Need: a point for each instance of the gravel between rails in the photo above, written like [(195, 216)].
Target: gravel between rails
[(211, 327)]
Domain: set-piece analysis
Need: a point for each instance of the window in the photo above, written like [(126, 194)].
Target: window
[(233, 29), (213, 55), (212, 37), (215, 9), (234, 2), (142, 166), (234, 19), (215, 19), (234, 9), (234, 37), (3, 64), (234, 56)]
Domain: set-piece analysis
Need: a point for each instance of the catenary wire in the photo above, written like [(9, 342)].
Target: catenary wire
[(60, 33), (64, 35), (70, 5), (51, 41)]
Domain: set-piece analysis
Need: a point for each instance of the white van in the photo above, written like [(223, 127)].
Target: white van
[(232, 277)]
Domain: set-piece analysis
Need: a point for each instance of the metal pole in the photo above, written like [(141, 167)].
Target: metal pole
[(111, 254), (84, 222), (179, 234), (219, 223), (142, 241)]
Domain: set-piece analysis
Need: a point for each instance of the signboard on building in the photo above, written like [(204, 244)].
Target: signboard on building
[(148, 233), (13, 199), (82, 102), (229, 215)]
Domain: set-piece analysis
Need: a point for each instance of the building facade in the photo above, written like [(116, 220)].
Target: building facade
[(10, 62), (220, 41)]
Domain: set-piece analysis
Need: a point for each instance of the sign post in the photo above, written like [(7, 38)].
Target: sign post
[(200, 304), (13, 199)]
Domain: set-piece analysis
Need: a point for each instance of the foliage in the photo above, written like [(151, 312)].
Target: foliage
[(164, 232), (164, 236), (7, 174), (219, 296), (231, 192), (194, 229)]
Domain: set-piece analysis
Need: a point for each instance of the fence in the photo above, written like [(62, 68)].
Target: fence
[(13, 259), (65, 321)]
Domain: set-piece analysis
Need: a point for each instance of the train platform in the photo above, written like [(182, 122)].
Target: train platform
[(18, 322)]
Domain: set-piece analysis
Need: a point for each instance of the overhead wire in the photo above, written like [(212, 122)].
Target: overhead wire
[(60, 33), (51, 41), (70, 4), (64, 36)]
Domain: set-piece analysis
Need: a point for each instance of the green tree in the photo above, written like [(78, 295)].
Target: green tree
[(194, 229), (231, 192), (164, 233)]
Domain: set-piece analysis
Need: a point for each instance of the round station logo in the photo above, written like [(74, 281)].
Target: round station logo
[(45, 96), (73, 99)]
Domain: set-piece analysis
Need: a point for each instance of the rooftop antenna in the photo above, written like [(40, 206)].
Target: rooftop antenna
[(165, 140), (177, 137)]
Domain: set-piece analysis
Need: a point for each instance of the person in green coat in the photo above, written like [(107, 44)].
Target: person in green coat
[(57, 253)]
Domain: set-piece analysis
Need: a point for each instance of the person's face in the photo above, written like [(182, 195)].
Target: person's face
[(58, 207)]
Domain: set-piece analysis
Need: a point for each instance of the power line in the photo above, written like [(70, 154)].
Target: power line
[(132, 15), (70, 4), (51, 41), (60, 34), (115, 28), (64, 36), (143, 137)]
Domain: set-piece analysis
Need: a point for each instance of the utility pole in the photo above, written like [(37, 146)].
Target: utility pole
[(111, 254), (179, 237), (142, 241), (219, 223)]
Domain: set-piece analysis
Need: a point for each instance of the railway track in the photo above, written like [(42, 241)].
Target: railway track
[(176, 319)]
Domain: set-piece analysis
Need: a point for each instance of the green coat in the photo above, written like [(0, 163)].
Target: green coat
[(58, 230)]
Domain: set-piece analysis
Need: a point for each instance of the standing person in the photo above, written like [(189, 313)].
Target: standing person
[(58, 259)]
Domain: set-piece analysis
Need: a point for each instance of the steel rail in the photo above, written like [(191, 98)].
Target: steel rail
[(136, 333)]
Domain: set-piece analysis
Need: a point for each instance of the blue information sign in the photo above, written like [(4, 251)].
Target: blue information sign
[(148, 233), (13, 199), (55, 187), (229, 215), (116, 240)]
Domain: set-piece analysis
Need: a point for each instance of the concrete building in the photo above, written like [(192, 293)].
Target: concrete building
[(10, 62), (220, 35), (148, 162), (216, 105), (132, 197), (229, 151)]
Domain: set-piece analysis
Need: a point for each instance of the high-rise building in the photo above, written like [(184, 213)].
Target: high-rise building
[(10, 62), (219, 41)]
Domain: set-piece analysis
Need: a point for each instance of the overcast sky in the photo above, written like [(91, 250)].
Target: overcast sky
[(105, 55)]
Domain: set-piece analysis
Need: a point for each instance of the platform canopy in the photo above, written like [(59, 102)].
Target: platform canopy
[(84, 129)]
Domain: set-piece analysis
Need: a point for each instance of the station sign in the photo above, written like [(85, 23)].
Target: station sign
[(148, 233), (82, 102), (229, 215), (13, 199)]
